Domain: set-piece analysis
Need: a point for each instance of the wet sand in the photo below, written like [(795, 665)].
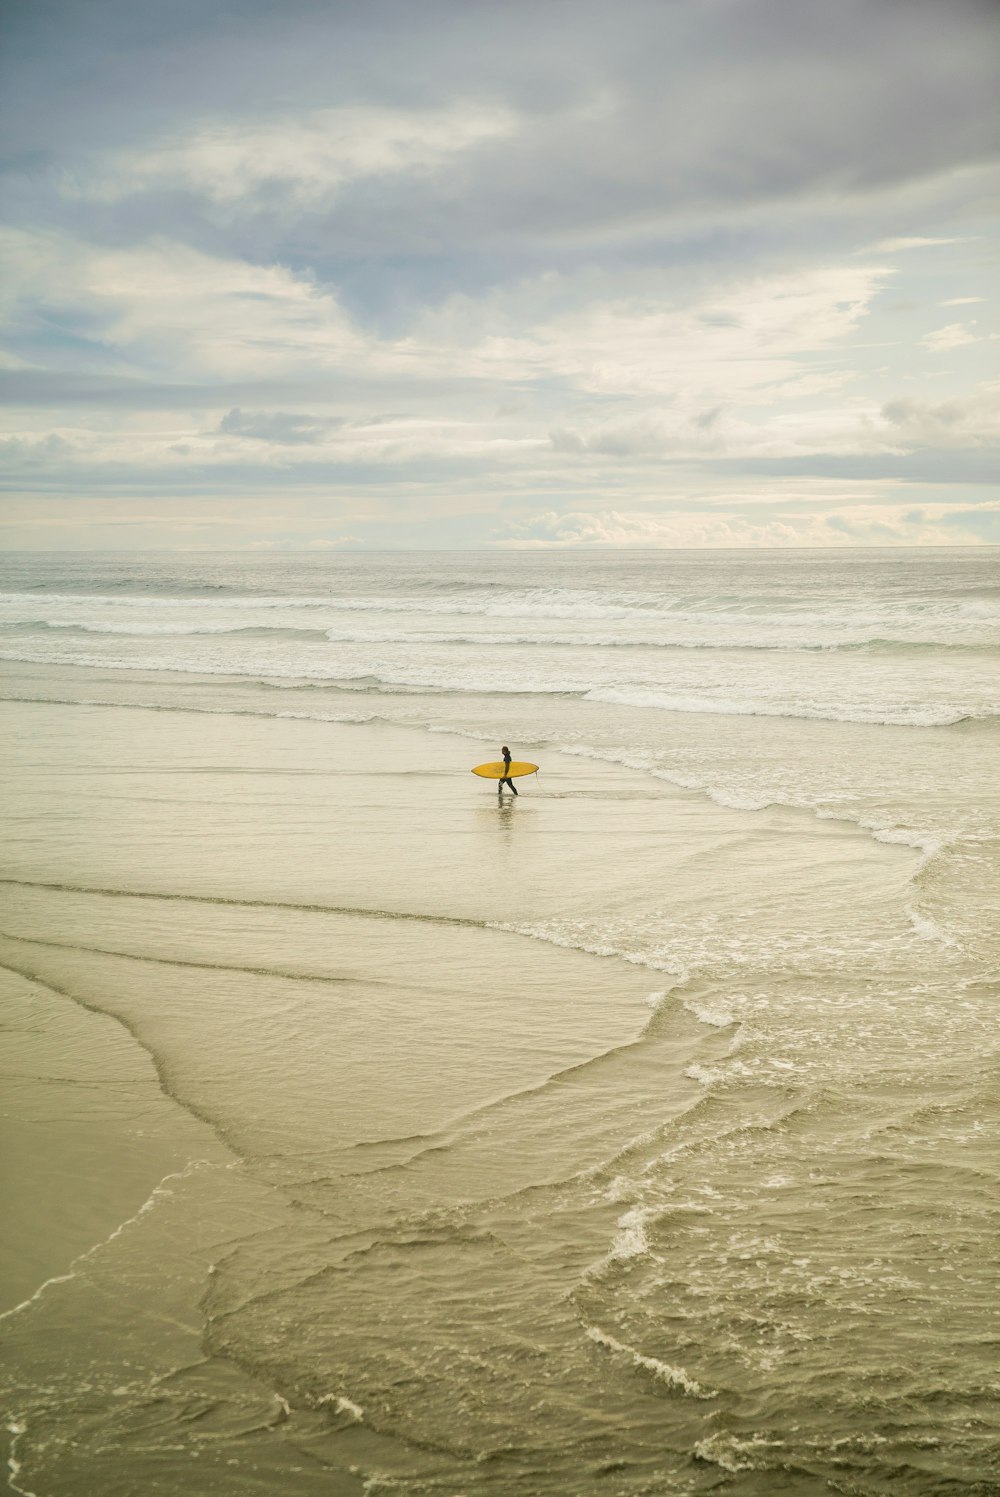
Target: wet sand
[(326, 1126)]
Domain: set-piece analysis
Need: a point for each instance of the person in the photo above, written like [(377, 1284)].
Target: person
[(506, 772)]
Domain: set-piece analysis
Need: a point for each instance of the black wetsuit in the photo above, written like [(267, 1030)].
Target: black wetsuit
[(506, 779)]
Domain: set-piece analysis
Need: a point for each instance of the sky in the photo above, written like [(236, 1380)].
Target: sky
[(538, 273)]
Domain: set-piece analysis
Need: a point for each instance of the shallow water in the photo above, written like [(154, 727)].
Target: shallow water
[(636, 1136)]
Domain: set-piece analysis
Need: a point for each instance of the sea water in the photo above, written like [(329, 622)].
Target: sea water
[(635, 1137)]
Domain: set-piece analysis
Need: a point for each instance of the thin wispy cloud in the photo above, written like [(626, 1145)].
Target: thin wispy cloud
[(913, 242), (955, 335)]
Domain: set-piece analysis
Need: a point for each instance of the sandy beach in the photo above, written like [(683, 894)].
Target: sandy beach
[(302, 954), (370, 1132)]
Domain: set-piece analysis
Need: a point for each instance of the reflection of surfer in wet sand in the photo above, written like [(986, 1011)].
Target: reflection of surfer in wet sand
[(506, 772)]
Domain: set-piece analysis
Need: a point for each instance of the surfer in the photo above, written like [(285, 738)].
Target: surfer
[(505, 751)]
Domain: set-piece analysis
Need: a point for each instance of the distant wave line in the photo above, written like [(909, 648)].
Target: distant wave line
[(556, 603), (873, 643), (640, 697), (166, 631)]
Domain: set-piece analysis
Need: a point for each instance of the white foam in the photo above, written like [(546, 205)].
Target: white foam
[(928, 929), (59, 1278), (904, 837), (672, 1377), (732, 1454), (732, 800), (154, 629), (553, 938), (716, 1015), (551, 603), (180, 647), (16, 1427), (721, 1075), (926, 842), (341, 1405), (909, 715), (707, 1075), (892, 836), (357, 718), (846, 619), (631, 1240)]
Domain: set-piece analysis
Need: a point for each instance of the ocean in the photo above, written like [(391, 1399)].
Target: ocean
[(369, 1132)]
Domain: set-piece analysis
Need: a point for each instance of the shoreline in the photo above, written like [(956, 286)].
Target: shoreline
[(682, 809), (424, 1022), (641, 771)]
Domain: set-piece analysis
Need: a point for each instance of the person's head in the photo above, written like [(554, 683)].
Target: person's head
[(505, 750)]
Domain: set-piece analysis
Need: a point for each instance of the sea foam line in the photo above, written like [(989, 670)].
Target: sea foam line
[(929, 930), (924, 842), (737, 642), (161, 1189), (896, 836), (341, 1404), (672, 1377), (731, 1454), (631, 1240), (407, 682), (16, 1427)]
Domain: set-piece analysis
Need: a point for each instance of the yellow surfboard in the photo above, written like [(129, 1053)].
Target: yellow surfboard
[(496, 771)]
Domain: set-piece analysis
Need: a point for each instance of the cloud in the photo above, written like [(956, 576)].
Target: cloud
[(742, 370), (303, 159), (898, 427), (582, 260), (966, 421), (736, 340), (170, 311), (282, 427), (167, 308), (955, 335), (876, 525), (894, 246), (36, 452), (451, 130)]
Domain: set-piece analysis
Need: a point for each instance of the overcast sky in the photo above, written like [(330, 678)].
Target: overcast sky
[(518, 273)]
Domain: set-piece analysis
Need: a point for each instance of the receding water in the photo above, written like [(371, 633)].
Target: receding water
[(370, 1133)]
